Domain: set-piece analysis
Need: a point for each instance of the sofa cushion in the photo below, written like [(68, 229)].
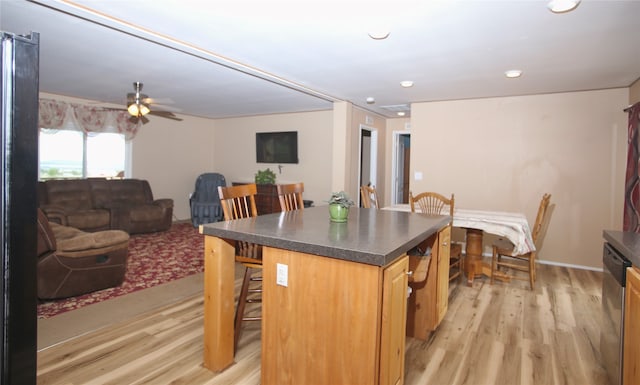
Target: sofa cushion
[(91, 219), (72, 239), (146, 213), (72, 194), (130, 192), (101, 191)]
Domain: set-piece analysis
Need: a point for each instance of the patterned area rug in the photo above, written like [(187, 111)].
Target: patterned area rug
[(153, 259)]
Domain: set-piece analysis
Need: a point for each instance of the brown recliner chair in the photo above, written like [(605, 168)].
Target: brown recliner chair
[(72, 262)]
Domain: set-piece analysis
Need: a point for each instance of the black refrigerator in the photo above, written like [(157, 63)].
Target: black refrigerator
[(19, 68)]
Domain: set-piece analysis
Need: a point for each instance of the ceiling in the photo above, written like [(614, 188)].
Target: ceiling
[(231, 58)]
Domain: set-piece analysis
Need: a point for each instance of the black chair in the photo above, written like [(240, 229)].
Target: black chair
[(205, 201)]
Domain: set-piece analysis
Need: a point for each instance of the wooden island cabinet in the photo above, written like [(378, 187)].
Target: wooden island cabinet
[(334, 300), (631, 352), (348, 326), (429, 300)]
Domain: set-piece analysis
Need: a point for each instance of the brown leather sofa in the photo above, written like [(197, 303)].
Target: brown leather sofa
[(72, 262), (96, 204)]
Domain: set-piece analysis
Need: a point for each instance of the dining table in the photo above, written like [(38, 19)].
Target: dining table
[(510, 225)]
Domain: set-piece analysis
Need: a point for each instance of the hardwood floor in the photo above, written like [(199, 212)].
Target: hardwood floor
[(500, 334)]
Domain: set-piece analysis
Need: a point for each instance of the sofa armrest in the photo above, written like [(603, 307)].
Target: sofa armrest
[(46, 238), (55, 213), (165, 203)]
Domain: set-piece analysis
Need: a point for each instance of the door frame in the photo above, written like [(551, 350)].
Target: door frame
[(373, 157), (395, 163)]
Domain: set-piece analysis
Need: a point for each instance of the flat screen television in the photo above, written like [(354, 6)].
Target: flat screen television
[(277, 147)]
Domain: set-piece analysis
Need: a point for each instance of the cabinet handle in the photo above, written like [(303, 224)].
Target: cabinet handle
[(444, 243), (409, 273)]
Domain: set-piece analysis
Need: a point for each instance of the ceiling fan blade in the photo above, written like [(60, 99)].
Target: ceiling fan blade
[(158, 100), (165, 114), (162, 107)]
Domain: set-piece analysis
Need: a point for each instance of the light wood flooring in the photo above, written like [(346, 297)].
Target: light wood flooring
[(500, 334)]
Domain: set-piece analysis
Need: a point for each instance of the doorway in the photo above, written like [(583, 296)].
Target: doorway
[(368, 158), (400, 167)]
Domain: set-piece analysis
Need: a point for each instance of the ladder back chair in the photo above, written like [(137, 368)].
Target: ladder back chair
[(290, 196), (369, 197), (432, 203), (502, 248), (239, 202)]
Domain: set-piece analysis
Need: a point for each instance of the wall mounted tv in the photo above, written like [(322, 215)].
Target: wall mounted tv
[(277, 147)]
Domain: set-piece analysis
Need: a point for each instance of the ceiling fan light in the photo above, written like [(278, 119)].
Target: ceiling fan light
[(133, 109), (144, 109), (561, 6)]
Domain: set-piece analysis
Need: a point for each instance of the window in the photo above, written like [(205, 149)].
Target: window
[(74, 154)]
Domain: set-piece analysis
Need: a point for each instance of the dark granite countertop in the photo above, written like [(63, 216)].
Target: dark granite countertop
[(627, 243), (375, 237)]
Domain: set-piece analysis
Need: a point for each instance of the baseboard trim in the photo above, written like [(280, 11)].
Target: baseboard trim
[(582, 267), (553, 263)]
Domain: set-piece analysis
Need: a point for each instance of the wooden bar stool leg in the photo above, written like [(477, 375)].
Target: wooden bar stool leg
[(242, 301)]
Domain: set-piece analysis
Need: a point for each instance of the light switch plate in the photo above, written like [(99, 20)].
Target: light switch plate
[(282, 274), (418, 175)]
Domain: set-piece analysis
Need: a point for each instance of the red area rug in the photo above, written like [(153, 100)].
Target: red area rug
[(153, 259)]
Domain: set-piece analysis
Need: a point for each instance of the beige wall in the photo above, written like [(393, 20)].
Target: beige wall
[(170, 155), (498, 154), (504, 153), (374, 122), (235, 157), (393, 125)]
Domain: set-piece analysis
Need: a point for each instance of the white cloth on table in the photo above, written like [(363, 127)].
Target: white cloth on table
[(513, 226)]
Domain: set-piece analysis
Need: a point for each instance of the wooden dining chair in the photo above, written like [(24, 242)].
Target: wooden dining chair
[(432, 203), (239, 202), (502, 248), (290, 196), (369, 197)]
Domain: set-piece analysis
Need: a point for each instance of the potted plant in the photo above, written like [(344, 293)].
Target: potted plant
[(265, 177), (339, 204)]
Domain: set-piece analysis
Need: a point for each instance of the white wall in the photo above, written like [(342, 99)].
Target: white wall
[(504, 153)]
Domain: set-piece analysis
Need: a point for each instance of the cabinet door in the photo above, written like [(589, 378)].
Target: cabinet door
[(631, 352), (444, 253), (394, 320), (430, 299)]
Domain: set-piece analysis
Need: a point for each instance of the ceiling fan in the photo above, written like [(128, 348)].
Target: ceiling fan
[(139, 105)]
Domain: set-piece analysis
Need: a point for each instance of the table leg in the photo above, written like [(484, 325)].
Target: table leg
[(473, 258), (219, 267)]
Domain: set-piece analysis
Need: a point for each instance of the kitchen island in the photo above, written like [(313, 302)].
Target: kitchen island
[(334, 294)]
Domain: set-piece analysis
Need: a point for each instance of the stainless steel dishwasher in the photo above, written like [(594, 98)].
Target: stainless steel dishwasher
[(612, 332)]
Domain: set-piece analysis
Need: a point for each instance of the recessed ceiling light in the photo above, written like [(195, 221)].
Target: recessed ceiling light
[(379, 34), (371, 100), (401, 113), (561, 6), (406, 83), (513, 74)]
